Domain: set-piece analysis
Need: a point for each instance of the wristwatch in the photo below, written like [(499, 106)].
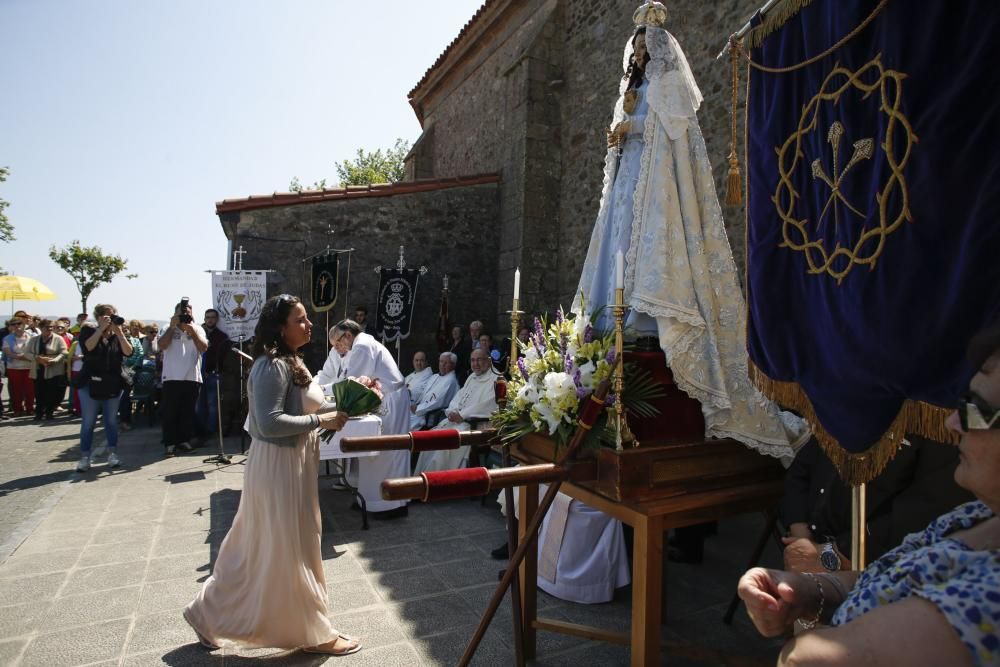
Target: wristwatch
[(829, 558)]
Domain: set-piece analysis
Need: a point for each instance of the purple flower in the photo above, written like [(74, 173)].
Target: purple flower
[(588, 334), (539, 338), (523, 368), (568, 363), (559, 315), (611, 399), (610, 356), (581, 392)]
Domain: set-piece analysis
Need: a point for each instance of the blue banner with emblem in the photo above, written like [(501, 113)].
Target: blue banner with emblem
[(873, 216), (397, 293)]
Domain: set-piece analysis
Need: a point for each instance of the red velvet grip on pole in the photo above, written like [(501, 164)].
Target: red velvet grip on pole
[(591, 411), (431, 441), (451, 484)]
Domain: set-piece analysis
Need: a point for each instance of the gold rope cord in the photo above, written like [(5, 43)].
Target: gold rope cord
[(734, 195), (805, 63)]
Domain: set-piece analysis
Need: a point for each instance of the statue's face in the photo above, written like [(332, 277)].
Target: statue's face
[(639, 50)]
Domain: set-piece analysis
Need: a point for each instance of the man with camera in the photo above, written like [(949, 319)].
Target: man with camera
[(181, 344)]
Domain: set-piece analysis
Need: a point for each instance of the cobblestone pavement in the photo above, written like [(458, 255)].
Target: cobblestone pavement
[(36, 461), (103, 562)]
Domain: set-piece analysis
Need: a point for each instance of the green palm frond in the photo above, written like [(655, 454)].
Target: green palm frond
[(640, 390)]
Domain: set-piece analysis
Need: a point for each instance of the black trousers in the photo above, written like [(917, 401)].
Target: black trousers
[(48, 394), (177, 404)]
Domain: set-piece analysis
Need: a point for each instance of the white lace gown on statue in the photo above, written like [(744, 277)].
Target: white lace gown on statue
[(659, 207), (268, 588)]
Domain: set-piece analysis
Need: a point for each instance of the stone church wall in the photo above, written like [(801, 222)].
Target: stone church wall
[(445, 230)]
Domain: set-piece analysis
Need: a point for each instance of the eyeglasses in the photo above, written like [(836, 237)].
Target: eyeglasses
[(975, 413)]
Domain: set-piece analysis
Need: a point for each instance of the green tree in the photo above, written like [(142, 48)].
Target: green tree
[(379, 166), (6, 229), (296, 186), (89, 267), (368, 168)]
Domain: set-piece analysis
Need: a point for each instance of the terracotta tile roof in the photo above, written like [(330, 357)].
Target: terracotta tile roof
[(486, 6), (255, 202)]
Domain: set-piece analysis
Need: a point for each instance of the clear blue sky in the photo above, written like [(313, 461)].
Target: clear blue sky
[(124, 121)]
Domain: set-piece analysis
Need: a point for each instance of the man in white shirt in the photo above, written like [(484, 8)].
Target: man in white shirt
[(476, 400), (438, 393), (360, 354), (417, 381), (181, 345)]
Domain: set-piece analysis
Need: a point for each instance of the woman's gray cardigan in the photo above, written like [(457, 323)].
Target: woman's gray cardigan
[(275, 408)]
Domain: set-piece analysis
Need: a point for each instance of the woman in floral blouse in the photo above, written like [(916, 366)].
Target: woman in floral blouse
[(933, 600)]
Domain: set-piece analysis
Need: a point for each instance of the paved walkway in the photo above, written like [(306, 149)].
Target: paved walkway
[(101, 564)]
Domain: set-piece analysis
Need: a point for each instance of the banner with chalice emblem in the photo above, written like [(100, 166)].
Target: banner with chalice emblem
[(239, 297), (873, 215), (397, 293)]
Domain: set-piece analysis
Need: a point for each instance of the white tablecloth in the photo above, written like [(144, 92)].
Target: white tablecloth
[(368, 425)]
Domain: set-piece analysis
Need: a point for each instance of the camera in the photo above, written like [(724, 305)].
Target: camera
[(117, 319), (182, 316)]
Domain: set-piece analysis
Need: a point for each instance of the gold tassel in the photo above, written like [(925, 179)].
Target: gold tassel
[(734, 182), (914, 417)]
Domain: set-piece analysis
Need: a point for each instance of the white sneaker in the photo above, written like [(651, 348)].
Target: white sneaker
[(100, 452), (113, 460), (84, 464)]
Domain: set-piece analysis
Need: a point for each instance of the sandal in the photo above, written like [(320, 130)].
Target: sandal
[(330, 648), (201, 638)]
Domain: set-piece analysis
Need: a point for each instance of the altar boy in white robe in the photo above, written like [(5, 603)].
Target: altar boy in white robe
[(476, 400), (438, 392), (360, 354)]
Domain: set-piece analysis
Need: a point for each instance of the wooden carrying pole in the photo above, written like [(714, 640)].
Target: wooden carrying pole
[(386, 443), (410, 488), (859, 527), (533, 527)]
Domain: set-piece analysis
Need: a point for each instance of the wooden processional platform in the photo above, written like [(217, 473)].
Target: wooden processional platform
[(651, 488)]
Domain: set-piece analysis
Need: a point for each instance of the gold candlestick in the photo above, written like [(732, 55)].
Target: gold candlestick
[(623, 434), (515, 320)]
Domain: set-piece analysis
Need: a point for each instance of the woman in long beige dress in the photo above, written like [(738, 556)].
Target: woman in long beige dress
[(268, 588)]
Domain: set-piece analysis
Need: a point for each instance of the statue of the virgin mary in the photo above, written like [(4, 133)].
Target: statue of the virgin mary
[(659, 208)]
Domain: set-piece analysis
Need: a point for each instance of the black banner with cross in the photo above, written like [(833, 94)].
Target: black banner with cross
[(324, 282)]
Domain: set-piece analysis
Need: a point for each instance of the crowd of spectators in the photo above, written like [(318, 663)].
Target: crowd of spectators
[(173, 372)]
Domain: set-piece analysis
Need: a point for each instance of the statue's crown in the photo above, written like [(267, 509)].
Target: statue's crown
[(651, 14)]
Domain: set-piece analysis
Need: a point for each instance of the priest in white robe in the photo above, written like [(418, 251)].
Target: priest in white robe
[(476, 400), (360, 354), (438, 392), (581, 551), (417, 381)]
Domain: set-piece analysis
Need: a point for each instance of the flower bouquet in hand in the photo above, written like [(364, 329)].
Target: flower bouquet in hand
[(355, 396)]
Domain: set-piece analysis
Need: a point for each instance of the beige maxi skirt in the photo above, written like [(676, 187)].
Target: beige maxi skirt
[(268, 588)]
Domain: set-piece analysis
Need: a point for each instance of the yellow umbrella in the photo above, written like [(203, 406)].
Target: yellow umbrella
[(23, 289)]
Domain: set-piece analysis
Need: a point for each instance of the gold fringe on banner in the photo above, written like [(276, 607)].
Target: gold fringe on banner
[(914, 417), (776, 17)]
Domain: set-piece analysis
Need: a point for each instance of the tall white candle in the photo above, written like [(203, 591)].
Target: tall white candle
[(619, 270), (517, 283)]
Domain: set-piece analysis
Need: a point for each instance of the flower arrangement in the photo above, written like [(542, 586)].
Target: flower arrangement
[(564, 361), (356, 396)]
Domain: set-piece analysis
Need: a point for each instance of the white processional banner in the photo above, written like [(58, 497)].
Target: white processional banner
[(239, 297)]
